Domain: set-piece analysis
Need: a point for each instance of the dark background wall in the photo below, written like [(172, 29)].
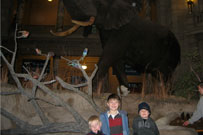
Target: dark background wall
[(39, 17)]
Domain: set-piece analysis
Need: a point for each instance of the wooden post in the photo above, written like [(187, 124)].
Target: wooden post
[(143, 85), (20, 13), (147, 8), (60, 16)]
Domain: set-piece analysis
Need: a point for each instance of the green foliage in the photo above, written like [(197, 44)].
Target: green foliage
[(186, 84)]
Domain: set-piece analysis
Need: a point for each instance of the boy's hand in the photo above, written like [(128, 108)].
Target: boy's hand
[(186, 123)]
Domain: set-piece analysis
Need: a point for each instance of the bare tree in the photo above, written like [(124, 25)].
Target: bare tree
[(23, 127)]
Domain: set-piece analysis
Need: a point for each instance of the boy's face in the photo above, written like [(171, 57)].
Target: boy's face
[(144, 113), (113, 104), (95, 126), (200, 90)]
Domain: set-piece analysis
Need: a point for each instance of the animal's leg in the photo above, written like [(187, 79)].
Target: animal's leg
[(119, 70), (113, 52), (102, 71)]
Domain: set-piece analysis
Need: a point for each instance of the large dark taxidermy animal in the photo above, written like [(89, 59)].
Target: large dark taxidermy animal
[(126, 38)]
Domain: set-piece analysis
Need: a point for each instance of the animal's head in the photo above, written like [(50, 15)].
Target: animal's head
[(108, 14), (80, 10)]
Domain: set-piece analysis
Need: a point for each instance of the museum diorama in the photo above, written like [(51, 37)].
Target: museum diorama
[(61, 59)]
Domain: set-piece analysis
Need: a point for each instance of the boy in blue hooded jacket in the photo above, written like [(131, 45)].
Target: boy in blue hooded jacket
[(114, 121)]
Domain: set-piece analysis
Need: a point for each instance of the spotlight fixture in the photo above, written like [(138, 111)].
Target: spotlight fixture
[(49, 0), (190, 4)]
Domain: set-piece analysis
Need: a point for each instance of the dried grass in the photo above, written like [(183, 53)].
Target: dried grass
[(4, 74), (154, 87)]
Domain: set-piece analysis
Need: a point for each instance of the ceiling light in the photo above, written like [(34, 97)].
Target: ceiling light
[(84, 67)]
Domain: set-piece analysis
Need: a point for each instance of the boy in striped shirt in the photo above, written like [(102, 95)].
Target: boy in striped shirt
[(114, 121)]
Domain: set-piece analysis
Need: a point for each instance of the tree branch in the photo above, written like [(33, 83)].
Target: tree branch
[(85, 96), (83, 71), (94, 72), (16, 120), (9, 93), (79, 85), (26, 128), (34, 88), (42, 129), (49, 82), (57, 105), (80, 125), (6, 49), (75, 114), (16, 45), (195, 73), (21, 89)]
